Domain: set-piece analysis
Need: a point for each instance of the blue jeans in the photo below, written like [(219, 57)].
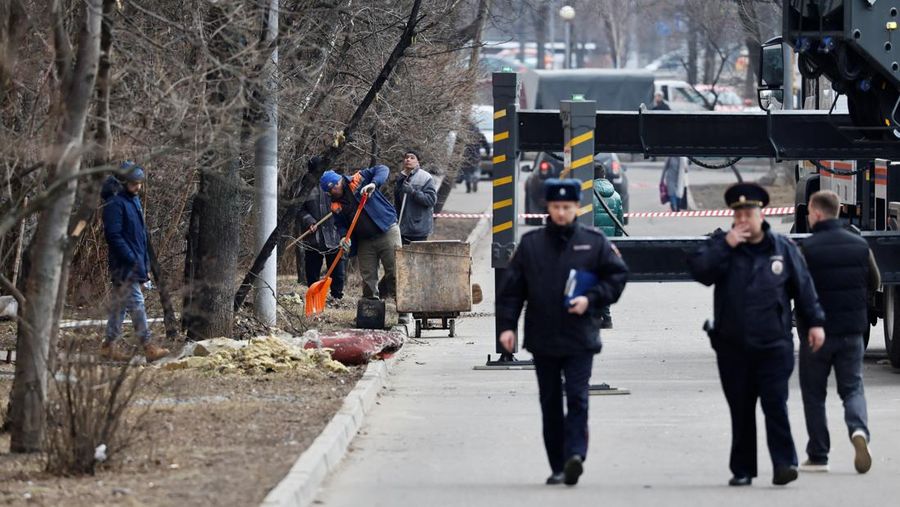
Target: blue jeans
[(845, 355), (565, 434), (127, 296), (675, 202)]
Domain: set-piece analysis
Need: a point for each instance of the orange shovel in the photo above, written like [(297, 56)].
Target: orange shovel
[(318, 292)]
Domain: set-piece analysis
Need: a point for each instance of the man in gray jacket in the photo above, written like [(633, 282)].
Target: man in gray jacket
[(414, 197)]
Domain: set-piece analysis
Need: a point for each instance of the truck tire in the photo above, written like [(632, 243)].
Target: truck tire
[(891, 324)]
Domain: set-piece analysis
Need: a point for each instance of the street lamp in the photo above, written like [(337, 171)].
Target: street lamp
[(567, 14)]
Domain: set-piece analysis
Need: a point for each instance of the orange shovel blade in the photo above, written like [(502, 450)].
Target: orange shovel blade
[(316, 296)]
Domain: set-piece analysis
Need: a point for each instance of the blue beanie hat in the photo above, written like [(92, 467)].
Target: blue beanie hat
[(132, 171), (329, 180)]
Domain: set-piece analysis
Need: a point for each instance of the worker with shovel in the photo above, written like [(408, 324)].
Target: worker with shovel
[(376, 235), (321, 243)]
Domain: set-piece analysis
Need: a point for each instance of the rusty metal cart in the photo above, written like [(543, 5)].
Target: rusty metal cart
[(434, 283)]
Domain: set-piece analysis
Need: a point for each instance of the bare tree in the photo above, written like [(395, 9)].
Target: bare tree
[(76, 75)]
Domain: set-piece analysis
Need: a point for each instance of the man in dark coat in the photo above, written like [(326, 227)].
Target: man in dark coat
[(756, 272), (562, 320), (322, 245), (129, 262), (846, 275)]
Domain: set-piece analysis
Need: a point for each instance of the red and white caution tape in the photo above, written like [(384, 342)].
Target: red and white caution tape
[(786, 210)]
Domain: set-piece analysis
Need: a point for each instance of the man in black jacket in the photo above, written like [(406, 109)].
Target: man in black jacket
[(321, 246), (844, 271), (756, 272), (562, 338)]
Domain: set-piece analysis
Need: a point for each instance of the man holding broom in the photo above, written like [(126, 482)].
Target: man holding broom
[(376, 235)]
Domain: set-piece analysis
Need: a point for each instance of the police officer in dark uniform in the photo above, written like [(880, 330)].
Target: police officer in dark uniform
[(756, 272), (563, 337)]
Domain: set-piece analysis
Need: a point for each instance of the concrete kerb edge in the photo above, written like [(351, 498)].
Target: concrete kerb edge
[(301, 484)]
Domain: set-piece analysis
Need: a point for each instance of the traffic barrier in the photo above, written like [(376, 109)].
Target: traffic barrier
[(771, 212)]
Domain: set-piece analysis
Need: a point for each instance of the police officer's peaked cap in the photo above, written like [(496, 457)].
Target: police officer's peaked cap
[(562, 190), (746, 195)]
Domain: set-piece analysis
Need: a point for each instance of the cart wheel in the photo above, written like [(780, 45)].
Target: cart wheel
[(418, 328), (452, 325)]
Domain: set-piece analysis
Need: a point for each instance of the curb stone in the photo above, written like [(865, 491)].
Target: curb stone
[(301, 484)]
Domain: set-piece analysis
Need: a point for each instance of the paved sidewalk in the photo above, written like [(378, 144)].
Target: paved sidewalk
[(446, 435)]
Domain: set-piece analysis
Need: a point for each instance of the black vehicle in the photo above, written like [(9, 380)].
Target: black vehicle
[(550, 165)]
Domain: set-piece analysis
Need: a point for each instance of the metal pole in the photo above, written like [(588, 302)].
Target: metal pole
[(552, 24), (266, 185), (579, 119), (568, 31), (506, 92), (788, 76)]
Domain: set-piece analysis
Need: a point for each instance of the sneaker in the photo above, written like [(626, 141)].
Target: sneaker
[(573, 470), (112, 351), (154, 352), (811, 466), (555, 479), (784, 474), (863, 460)]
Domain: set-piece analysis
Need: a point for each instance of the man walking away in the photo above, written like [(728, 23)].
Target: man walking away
[(414, 198), (846, 275), (604, 222), (562, 318), (471, 169), (129, 262), (321, 246), (376, 236), (756, 273)]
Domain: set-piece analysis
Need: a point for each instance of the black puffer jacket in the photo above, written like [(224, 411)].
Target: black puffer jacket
[(844, 272), (754, 286), (537, 275)]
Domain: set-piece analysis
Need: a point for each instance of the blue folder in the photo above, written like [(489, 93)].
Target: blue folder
[(578, 283)]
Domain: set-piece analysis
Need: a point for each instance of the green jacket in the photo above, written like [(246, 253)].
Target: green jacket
[(614, 201)]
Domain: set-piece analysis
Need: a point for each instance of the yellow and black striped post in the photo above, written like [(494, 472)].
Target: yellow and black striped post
[(503, 244), (579, 119)]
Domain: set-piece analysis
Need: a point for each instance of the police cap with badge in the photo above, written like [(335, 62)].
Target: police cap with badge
[(568, 189), (746, 195)]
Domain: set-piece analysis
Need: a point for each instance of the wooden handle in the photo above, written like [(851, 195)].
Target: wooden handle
[(308, 232)]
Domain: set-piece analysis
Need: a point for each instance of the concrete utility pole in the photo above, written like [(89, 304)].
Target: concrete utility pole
[(266, 195)]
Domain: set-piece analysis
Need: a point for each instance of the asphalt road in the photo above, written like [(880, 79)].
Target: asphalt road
[(444, 434)]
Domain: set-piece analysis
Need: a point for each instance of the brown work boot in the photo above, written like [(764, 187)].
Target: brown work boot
[(112, 351), (154, 352)]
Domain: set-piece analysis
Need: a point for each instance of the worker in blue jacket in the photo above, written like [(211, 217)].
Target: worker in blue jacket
[(129, 261), (376, 236), (756, 273)]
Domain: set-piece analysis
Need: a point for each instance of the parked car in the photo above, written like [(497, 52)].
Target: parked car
[(679, 95), (550, 165)]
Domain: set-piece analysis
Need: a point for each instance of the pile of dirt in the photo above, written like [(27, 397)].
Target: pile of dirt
[(262, 356)]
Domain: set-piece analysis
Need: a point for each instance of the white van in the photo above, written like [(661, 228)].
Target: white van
[(679, 95)]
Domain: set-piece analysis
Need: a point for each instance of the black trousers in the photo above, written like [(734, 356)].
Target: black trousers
[(748, 376), (313, 264), (565, 433)]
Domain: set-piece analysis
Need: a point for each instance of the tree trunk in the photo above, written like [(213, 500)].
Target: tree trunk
[(692, 52), (29, 390), (215, 215), (266, 161), (752, 39), (540, 32)]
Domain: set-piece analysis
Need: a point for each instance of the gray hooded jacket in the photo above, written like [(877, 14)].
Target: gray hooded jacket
[(414, 198)]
